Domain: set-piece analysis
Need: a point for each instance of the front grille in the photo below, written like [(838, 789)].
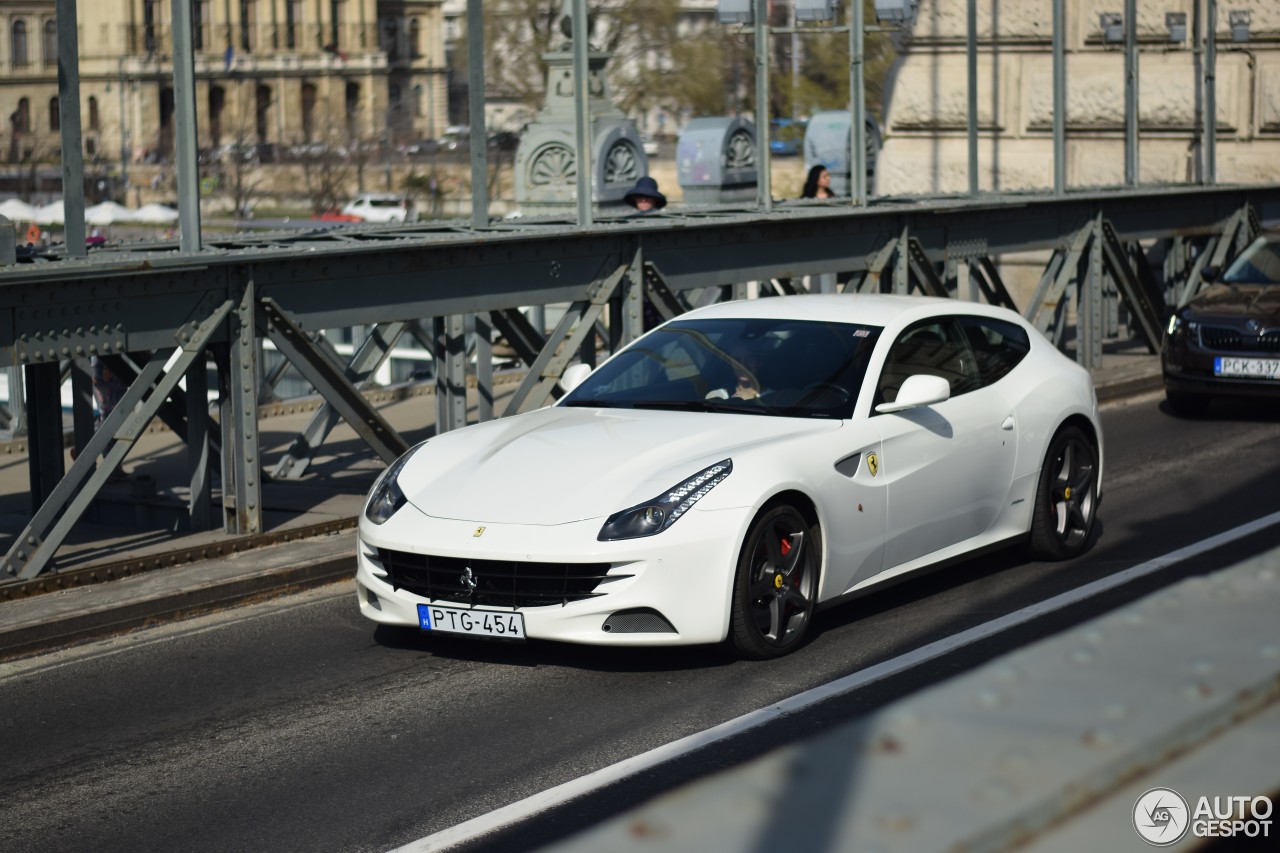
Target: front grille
[(498, 583), (1227, 339)]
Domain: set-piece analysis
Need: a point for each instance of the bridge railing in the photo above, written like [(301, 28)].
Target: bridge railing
[(158, 315)]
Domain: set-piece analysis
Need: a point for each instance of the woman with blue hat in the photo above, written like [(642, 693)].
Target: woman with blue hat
[(644, 196)]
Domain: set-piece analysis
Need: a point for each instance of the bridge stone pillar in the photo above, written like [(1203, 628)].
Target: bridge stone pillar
[(546, 170)]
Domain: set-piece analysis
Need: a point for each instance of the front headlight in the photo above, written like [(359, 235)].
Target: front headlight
[(654, 516), (385, 497)]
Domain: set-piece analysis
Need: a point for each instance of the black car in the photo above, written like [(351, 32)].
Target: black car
[(1226, 341)]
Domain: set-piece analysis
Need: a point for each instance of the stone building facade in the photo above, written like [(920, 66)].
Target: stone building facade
[(925, 122), (272, 76)]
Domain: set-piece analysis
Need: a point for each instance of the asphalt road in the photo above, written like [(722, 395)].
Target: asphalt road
[(295, 725)]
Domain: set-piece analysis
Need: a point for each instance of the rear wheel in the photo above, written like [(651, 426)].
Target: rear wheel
[(1067, 497), (776, 584)]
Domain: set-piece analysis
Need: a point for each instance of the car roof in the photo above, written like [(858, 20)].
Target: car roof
[(873, 309)]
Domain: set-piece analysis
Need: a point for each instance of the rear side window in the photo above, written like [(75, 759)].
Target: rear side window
[(934, 347), (998, 346), (385, 202)]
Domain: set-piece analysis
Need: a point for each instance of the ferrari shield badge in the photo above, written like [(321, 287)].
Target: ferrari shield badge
[(873, 464), (479, 532)]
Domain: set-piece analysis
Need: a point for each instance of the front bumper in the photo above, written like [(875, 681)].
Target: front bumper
[(684, 573)]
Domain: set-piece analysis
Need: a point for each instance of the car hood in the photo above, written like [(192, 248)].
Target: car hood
[(1239, 301), (559, 465)]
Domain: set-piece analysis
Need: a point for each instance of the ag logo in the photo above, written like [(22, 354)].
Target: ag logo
[(873, 464), (1161, 817)]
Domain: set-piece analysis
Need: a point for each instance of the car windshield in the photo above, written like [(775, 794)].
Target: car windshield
[(783, 368), (1259, 264)]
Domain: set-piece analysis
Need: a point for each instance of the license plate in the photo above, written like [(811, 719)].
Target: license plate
[(478, 623), (1247, 368)]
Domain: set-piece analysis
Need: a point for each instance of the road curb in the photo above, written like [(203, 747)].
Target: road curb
[(115, 614)]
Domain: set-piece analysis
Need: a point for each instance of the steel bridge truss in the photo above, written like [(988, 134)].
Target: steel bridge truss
[(157, 315)]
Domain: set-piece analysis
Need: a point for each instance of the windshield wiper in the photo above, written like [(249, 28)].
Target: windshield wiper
[(702, 406), (600, 404)]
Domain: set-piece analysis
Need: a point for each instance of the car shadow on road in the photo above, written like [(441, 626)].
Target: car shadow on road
[(543, 653)]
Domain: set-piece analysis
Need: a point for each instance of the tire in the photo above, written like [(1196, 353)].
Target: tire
[(776, 584), (1187, 405), (1066, 497)]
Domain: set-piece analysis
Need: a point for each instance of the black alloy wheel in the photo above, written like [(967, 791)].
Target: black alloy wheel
[(1067, 497), (776, 584)]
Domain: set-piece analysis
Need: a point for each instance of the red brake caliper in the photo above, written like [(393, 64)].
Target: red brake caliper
[(785, 547)]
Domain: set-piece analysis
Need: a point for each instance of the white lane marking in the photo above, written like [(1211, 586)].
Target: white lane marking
[(561, 794)]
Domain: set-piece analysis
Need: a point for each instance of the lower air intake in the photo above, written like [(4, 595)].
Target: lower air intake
[(639, 620)]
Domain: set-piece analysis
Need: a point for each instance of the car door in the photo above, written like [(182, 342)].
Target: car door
[(946, 467)]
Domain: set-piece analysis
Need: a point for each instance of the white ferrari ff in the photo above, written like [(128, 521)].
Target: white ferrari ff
[(736, 468)]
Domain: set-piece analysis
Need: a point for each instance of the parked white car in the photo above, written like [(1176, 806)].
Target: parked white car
[(382, 207)]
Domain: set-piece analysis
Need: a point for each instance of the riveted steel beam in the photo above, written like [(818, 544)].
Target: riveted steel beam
[(328, 378), (33, 550), (578, 322), (366, 360)]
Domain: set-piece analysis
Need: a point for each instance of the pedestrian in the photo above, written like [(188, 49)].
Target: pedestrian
[(818, 184), (644, 196)]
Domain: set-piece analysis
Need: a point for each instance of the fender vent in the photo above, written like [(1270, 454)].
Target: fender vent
[(639, 620)]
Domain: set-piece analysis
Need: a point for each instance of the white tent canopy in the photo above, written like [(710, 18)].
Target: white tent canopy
[(51, 214), (155, 213), (17, 210), (107, 213)]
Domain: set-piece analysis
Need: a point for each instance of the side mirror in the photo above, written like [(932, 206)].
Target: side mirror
[(1210, 274), (573, 376), (918, 390)]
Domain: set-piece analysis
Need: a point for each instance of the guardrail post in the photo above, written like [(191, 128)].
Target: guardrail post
[(200, 500), (44, 425), (1089, 311), (241, 486), (451, 372), (484, 368)]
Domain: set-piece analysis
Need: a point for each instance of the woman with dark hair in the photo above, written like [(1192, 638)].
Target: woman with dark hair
[(818, 184)]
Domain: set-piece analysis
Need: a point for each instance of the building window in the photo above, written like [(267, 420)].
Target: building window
[(217, 100), (261, 112), (390, 39), (308, 111), (19, 43), (293, 24), (248, 23), (200, 26), (22, 117), (55, 117), (149, 25), (415, 38), (337, 9), (353, 111), (94, 119), (50, 43)]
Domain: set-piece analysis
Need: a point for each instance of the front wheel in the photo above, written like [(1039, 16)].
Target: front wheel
[(1067, 497), (776, 584)]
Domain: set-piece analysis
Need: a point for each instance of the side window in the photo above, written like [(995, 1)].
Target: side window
[(935, 347), (998, 346)]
